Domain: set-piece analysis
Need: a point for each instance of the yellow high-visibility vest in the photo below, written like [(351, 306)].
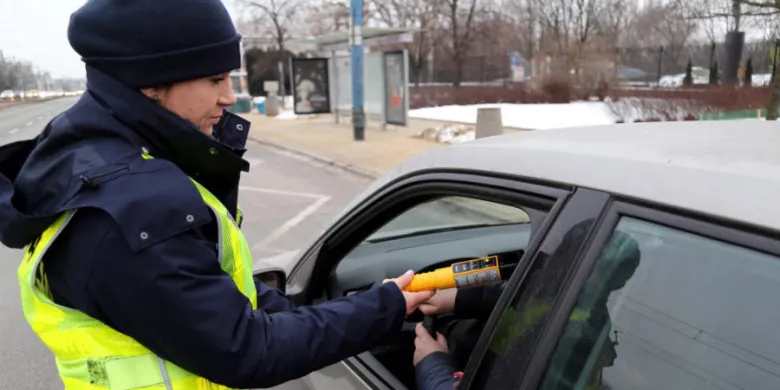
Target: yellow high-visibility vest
[(89, 354)]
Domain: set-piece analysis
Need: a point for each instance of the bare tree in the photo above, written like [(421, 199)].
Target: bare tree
[(419, 15), (278, 16), (458, 17), (762, 7), (326, 17), (570, 28), (663, 25), (616, 20), (15, 74)]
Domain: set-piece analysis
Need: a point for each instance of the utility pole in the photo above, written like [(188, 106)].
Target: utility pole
[(735, 42), (356, 41), (774, 99)]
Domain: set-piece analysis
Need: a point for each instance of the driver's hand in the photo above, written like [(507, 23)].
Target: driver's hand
[(425, 345), (413, 299), (442, 302)]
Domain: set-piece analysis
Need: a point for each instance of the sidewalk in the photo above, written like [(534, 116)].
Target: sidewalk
[(320, 138)]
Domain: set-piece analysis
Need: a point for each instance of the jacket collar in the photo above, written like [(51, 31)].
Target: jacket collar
[(164, 133)]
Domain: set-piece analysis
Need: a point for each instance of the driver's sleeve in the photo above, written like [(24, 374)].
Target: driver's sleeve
[(477, 302), (436, 372)]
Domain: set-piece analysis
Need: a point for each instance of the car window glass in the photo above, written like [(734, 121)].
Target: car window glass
[(451, 212), (667, 309)]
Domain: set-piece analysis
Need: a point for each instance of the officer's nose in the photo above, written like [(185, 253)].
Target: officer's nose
[(227, 98)]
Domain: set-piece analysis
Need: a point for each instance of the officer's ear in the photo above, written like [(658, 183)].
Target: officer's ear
[(156, 94)]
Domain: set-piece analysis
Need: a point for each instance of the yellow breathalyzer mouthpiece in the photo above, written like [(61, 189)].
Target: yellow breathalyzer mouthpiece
[(463, 274)]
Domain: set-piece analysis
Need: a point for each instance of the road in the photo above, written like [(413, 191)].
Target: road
[(287, 202)]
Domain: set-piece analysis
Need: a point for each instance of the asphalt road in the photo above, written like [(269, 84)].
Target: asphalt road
[(287, 202)]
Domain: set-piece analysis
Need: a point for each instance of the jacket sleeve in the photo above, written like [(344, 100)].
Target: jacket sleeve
[(478, 302), (435, 372), (272, 300), (174, 299)]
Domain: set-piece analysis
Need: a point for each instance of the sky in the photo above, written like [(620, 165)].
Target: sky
[(36, 30)]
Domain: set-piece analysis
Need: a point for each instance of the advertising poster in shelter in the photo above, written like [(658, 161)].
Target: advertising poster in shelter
[(311, 90), (395, 88)]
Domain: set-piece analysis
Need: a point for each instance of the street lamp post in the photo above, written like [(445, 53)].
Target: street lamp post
[(356, 40)]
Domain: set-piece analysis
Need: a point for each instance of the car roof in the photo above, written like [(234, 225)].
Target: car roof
[(728, 169)]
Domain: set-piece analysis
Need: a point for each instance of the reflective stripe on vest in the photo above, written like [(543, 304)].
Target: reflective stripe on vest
[(91, 355)]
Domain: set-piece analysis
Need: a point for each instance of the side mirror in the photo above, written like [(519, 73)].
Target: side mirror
[(273, 271), (273, 278)]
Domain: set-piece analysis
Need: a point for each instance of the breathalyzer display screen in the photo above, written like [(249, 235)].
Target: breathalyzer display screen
[(474, 265), (476, 272)]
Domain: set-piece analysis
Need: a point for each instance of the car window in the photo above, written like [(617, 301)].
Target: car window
[(668, 309), (450, 213), (426, 236), (433, 234)]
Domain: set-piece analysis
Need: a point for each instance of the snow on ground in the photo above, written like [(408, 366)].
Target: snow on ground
[(525, 116)]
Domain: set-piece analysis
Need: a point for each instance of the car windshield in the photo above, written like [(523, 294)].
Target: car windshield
[(449, 214)]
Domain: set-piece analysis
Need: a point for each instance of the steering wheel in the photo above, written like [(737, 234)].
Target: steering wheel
[(461, 334)]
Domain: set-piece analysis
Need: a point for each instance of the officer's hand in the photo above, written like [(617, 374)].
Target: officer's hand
[(442, 302), (424, 344), (413, 299)]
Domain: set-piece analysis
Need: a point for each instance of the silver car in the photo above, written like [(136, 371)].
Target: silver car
[(645, 256)]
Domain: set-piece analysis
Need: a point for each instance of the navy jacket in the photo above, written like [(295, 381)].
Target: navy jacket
[(436, 371), (165, 288)]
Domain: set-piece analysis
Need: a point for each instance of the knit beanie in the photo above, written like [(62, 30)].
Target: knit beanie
[(152, 43)]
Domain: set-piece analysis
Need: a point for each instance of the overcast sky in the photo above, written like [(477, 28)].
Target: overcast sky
[(36, 30)]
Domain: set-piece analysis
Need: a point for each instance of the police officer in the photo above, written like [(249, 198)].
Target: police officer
[(135, 271)]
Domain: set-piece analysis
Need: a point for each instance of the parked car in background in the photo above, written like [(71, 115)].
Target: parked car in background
[(8, 95), (647, 257)]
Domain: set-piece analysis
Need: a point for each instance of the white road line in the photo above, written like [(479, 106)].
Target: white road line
[(14, 131), (282, 192), (292, 222), (253, 162), (29, 124), (319, 201)]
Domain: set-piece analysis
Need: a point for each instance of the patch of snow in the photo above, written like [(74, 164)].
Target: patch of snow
[(449, 134), (287, 115), (525, 116)]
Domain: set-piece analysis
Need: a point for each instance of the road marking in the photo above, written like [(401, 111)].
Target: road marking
[(292, 222), (14, 131), (282, 192), (253, 162), (29, 124), (319, 201)]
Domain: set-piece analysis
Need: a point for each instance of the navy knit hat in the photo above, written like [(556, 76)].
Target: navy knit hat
[(150, 43)]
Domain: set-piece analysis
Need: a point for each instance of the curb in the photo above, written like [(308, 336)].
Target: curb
[(358, 171), (319, 158)]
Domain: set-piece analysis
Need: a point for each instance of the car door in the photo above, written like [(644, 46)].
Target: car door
[(421, 222), (661, 298), (532, 297)]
